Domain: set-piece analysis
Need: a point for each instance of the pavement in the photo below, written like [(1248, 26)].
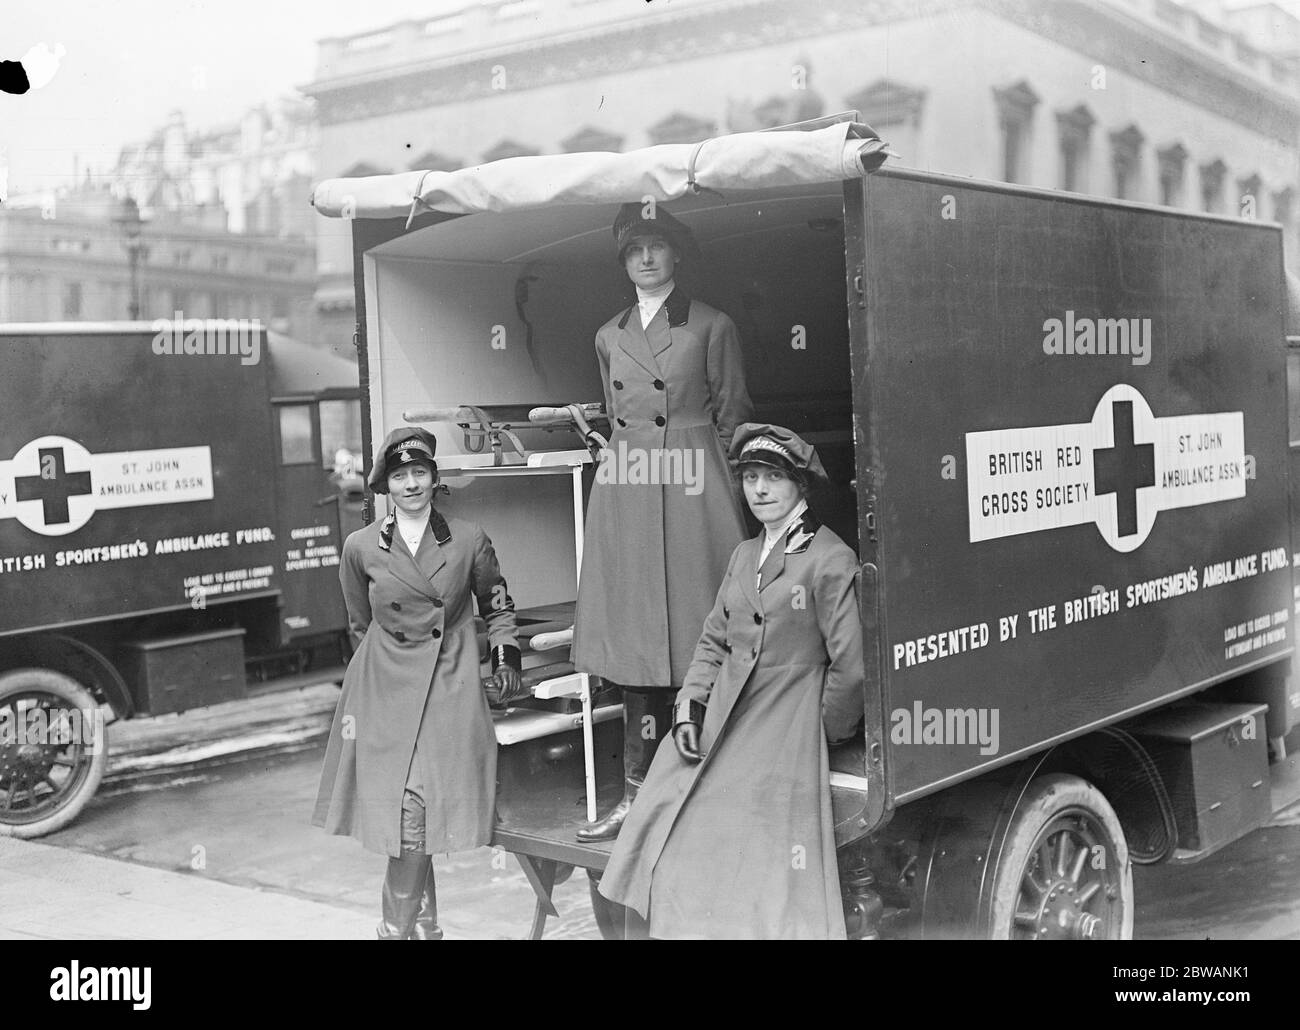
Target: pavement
[(49, 892)]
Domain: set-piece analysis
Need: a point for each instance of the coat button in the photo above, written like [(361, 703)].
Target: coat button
[(437, 602), (726, 646), (618, 384), (395, 606), (726, 612), (621, 422), (753, 652), (660, 420), (436, 634), (659, 384), (400, 637), (758, 619)]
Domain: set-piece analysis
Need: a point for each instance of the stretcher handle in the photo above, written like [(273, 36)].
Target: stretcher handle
[(577, 414), (549, 641)]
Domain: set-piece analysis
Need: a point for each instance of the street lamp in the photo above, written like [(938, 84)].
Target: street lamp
[(132, 226)]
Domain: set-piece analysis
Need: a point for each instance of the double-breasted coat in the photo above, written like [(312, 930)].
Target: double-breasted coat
[(664, 513), (742, 843), (413, 690)]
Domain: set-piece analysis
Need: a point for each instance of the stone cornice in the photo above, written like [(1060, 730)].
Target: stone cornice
[(1110, 36), (1123, 43), (605, 50)]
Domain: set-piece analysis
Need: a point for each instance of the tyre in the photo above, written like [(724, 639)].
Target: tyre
[(1065, 872), (609, 914), (53, 750)]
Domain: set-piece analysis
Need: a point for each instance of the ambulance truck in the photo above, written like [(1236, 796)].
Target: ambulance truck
[(1059, 436), (171, 519)]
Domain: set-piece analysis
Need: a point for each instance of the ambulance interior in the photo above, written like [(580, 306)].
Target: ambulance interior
[(500, 310)]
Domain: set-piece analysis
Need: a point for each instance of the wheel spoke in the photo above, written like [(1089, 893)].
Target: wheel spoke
[(64, 761), (1028, 920), (1080, 858), (1062, 850), (1045, 858), (1088, 892)]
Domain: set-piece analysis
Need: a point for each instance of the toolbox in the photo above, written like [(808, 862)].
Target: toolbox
[(1214, 762), (173, 674)]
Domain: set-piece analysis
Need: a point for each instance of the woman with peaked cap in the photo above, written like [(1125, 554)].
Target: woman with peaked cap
[(657, 543), (410, 769), (732, 834)]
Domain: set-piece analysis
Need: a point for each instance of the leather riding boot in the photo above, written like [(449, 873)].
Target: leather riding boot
[(404, 886), (607, 828), (647, 718), (426, 923)]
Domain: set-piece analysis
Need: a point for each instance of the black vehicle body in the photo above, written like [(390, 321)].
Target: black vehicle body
[(169, 528), (927, 334)]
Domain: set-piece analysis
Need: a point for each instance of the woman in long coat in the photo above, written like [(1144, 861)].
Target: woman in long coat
[(410, 769), (664, 513), (732, 834)]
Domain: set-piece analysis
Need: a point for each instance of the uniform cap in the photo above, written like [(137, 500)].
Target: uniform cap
[(405, 445), (759, 443), (631, 222)]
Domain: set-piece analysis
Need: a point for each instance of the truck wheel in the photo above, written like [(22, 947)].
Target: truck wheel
[(609, 914), (50, 760), (1065, 872)]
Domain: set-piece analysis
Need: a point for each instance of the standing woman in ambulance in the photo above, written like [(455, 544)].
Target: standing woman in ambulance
[(732, 836), (410, 769), (657, 545)]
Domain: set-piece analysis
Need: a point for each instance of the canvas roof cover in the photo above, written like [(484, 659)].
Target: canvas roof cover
[(750, 160)]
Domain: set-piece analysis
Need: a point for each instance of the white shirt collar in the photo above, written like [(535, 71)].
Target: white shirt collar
[(650, 301), (420, 516), (412, 526)]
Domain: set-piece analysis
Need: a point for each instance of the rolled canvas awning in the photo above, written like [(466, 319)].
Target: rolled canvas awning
[(749, 160)]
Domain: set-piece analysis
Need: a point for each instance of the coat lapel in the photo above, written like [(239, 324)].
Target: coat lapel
[(633, 342), (416, 570), (746, 569), (672, 313), (796, 540), (773, 567)]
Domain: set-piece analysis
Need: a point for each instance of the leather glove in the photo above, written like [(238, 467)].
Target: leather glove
[(509, 684), (686, 735)]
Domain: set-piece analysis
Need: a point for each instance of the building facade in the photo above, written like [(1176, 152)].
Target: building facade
[(71, 262), (247, 177), (1190, 105)]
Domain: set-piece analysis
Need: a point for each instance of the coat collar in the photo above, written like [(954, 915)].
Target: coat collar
[(677, 307), (421, 567), (798, 538), (635, 340)]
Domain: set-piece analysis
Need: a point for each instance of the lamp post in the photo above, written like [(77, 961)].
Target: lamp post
[(131, 226)]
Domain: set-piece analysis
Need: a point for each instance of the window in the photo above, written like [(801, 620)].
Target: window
[(1293, 395), (1282, 204), (1075, 129), (1248, 197), (72, 300), (1212, 186), (894, 110), (340, 430), (1172, 162), (295, 435), (1015, 117), (1126, 162)]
